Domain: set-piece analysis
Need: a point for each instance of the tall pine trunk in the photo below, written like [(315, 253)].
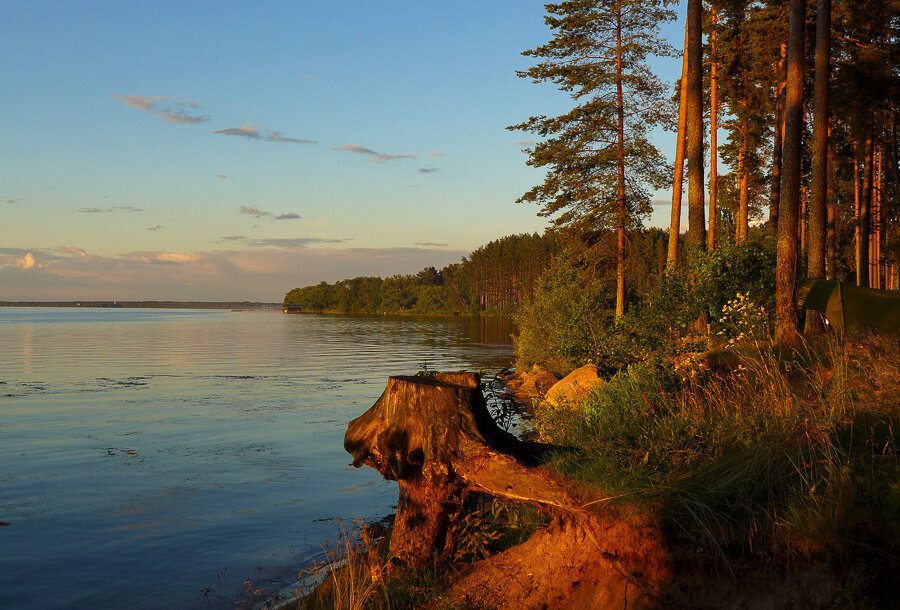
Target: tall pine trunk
[(786, 270), (620, 226), (831, 213), (865, 208), (678, 178), (696, 212), (713, 136), (819, 183), (777, 144), (743, 216)]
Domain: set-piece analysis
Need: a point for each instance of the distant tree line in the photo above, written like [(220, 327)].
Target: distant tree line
[(493, 279)]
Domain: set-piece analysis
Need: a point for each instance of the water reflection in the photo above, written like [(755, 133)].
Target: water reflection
[(144, 447)]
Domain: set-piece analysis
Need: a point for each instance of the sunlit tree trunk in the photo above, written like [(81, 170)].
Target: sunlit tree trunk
[(696, 212), (620, 227), (875, 279), (802, 229), (678, 178), (777, 144), (817, 206), (857, 202), (830, 217), (786, 271), (865, 208), (713, 135), (743, 215)]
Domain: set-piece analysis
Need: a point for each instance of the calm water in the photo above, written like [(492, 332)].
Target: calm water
[(148, 454)]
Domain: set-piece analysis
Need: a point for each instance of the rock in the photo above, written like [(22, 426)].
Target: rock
[(537, 381), (575, 386)]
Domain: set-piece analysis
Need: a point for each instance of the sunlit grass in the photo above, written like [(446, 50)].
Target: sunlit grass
[(755, 450)]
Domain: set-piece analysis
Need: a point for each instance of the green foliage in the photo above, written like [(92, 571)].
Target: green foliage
[(561, 327), (584, 149), (747, 268), (570, 320)]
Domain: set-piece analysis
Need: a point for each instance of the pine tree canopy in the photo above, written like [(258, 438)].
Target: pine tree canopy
[(596, 45)]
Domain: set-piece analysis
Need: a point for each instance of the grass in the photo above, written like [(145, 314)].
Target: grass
[(756, 450), (358, 572)]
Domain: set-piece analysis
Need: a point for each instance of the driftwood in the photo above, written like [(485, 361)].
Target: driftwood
[(436, 438)]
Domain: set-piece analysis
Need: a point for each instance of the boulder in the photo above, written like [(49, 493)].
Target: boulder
[(537, 381), (574, 386)]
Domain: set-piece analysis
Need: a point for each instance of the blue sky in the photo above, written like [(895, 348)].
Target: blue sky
[(231, 151)]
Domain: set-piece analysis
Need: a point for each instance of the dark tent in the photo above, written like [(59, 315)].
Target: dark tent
[(849, 307)]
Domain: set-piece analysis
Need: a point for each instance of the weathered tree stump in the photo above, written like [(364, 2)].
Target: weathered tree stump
[(436, 438)]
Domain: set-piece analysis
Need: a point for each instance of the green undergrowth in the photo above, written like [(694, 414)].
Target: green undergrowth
[(754, 450)]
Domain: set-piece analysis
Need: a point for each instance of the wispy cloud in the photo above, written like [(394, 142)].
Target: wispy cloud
[(375, 157), (276, 136), (255, 212), (524, 143), (222, 176), (427, 170), (244, 131), (430, 244), (250, 132), (116, 208), (171, 110), (12, 200), (287, 243), (434, 153), (72, 250)]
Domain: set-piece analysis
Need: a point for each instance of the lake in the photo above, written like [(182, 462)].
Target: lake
[(158, 458)]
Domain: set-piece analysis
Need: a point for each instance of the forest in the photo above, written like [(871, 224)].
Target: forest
[(493, 279)]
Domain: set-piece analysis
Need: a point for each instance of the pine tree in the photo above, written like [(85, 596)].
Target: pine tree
[(599, 157), (694, 101), (786, 271)]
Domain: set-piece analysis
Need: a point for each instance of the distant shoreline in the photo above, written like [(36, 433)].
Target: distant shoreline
[(241, 305)]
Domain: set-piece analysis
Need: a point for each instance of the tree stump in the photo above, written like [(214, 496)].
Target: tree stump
[(436, 438)]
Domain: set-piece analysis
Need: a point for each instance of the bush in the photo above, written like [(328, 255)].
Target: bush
[(570, 321), (565, 323)]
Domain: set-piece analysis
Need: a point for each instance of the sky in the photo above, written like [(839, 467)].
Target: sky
[(228, 151)]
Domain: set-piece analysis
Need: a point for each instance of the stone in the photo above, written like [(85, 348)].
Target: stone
[(574, 386)]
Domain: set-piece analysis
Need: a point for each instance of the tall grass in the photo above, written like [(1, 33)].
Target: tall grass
[(758, 449)]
